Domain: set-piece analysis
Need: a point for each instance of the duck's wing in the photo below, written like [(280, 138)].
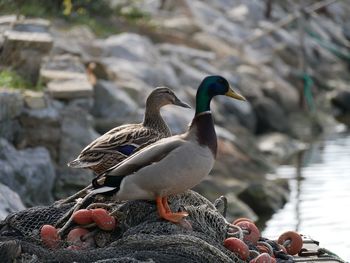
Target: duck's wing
[(151, 154), (123, 140)]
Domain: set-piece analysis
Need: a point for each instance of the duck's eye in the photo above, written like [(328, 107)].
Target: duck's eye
[(221, 81)]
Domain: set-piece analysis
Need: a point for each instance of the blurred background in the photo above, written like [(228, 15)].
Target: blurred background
[(71, 70)]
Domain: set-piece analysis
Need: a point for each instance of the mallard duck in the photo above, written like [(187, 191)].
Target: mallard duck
[(120, 142), (170, 165)]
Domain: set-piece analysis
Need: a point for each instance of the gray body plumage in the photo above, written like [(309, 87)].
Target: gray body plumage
[(169, 166)]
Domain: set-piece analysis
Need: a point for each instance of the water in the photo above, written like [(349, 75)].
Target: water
[(319, 204)]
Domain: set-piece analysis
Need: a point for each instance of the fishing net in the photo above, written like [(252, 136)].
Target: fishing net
[(140, 236)]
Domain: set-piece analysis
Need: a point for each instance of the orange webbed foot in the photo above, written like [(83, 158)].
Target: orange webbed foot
[(165, 212)]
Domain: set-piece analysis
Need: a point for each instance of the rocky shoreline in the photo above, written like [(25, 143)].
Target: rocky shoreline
[(89, 85)]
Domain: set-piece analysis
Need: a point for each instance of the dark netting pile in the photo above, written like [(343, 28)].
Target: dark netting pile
[(140, 236)]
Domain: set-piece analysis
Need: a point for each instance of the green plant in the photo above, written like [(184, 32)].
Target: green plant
[(11, 79)]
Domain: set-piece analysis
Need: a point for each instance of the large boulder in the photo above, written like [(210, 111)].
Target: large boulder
[(9, 201), (112, 105), (132, 54), (265, 198), (76, 132), (41, 127), (25, 45), (11, 106), (28, 172), (270, 116)]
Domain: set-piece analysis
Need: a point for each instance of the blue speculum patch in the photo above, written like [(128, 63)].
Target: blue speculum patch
[(126, 149)]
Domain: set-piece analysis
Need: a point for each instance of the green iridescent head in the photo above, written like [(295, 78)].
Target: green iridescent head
[(212, 86)]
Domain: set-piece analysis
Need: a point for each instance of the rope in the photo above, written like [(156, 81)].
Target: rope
[(331, 47), (308, 83)]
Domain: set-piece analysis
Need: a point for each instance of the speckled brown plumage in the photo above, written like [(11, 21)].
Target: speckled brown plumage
[(118, 143)]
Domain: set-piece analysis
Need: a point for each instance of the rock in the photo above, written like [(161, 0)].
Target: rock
[(9, 201), (41, 127), (28, 172), (278, 147), (23, 51), (11, 104), (242, 111), (67, 63), (341, 101), (212, 187), (270, 117), (187, 74), (213, 21), (11, 130), (112, 104), (186, 52), (34, 99), (47, 75), (135, 55), (280, 91), (181, 24), (136, 89), (264, 198), (69, 89), (76, 134), (131, 47), (214, 43), (37, 25), (77, 40), (178, 119)]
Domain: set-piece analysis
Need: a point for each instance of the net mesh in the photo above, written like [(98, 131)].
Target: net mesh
[(140, 236)]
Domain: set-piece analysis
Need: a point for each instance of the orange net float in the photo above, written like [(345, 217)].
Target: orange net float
[(251, 232), (49, 236), (238, 247), (291, 241), (242, 219), (263, 258)]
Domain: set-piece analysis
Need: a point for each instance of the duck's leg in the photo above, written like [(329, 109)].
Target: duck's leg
[(165, 212)]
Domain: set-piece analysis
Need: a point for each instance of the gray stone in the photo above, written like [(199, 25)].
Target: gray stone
[(76, 133), (214, 43), (111, 102), (180, 24), (278, 147), (130, 54), (28, 172), (69, 89), (37, 25), (265, 198), (242, 111), (11, 130), (131, 47), (178, 119), (187, 52), (34, 99), (11, 104), (212, 188), (341, 101), (65, 62), (41, 127), (9, 201), (48, 75), (188, 75), (23, 51), (270, 116)]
